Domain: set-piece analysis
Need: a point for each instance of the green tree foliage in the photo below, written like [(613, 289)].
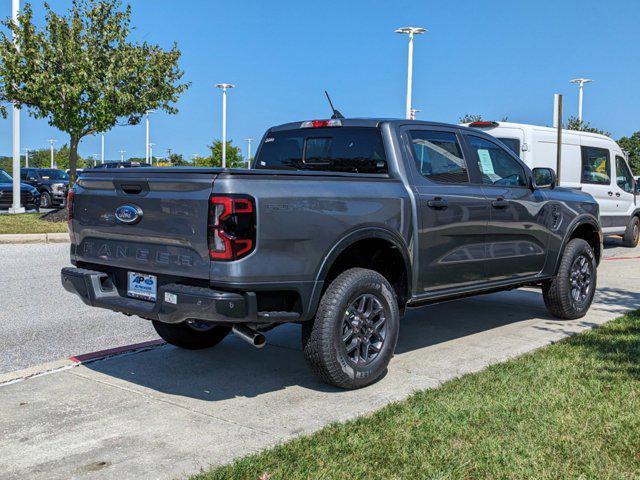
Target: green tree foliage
[(177, 160), (470, 118), (574, 124), (81, 73), (631, 145), (234, 156)]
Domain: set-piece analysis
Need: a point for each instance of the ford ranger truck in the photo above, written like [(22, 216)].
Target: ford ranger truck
[(341, 225)]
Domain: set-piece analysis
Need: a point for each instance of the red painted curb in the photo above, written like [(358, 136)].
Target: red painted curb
[(622, 258), (85, 357)]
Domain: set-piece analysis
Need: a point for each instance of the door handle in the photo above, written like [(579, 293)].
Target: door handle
[(610, 194), (438, 203), (500, 202)]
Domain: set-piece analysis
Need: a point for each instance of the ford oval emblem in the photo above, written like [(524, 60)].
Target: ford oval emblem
[(128, 214)]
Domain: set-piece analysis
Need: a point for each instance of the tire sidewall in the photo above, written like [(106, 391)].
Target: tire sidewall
[(364, 374), (574, 250)]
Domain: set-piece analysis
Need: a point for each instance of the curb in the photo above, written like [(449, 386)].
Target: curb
[(14, 238)]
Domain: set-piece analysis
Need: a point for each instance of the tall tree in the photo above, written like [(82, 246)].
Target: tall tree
[(631, 145), (234, 156), (82, 74), (574, 124)]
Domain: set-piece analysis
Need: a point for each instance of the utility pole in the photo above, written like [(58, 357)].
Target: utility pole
[(224, 87), (51, 142), (249, 140), (15, 204), (146, 151), (581, 82), (102, 147), (411, 31)]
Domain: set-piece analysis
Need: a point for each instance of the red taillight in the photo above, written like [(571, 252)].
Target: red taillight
[(70, 197), (484, 124), (231, 227)]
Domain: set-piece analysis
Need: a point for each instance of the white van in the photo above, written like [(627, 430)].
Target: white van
[(591, 162)]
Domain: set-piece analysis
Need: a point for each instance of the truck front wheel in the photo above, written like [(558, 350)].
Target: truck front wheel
[(192, 335), (351, 340), (632, 234)]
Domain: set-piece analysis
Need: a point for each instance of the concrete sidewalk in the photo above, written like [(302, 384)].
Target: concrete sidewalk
[(167, 413)]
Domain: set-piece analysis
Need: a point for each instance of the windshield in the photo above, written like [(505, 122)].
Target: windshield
[(52, 174), (5, 177), (330, 149)]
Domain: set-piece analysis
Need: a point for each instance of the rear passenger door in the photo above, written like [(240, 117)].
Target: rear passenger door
[(517, 235), (453, 212)]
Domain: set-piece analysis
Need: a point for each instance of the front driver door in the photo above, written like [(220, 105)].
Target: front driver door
[(453, 212), (517, 235)]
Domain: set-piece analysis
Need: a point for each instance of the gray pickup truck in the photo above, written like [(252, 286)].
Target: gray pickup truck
[(341, 226)]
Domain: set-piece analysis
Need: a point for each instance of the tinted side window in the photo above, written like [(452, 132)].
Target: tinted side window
[(623, 175), (596, 166), (438, 156), (23, 174), (512, 143), (330, 149), (496, 165)]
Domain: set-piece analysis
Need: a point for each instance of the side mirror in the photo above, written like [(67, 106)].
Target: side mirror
[(544, 178)]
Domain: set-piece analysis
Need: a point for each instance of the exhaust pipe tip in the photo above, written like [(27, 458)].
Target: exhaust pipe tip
[(249, 335)]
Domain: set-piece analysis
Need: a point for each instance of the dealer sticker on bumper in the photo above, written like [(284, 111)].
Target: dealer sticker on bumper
[(142, 286)]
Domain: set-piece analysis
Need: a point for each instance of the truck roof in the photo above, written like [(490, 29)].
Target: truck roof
[(368, 122)]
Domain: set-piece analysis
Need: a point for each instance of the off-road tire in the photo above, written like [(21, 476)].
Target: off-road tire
[(322, 338), (632, 233), (45, 200), (557, 293), (183, 336)]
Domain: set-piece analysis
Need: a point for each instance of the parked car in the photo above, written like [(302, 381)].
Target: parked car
[(122, 165), (340, 226), (591, 162), (29, 196), (51, 183)]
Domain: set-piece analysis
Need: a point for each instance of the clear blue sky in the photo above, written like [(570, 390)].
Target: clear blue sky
[(496, 58)]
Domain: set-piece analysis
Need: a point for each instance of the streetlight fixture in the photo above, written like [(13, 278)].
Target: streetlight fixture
[(581, 82), (15, 204), (224, 87), (249, 140), (51, 142), (411, 31), (146, 152), (414, 111)]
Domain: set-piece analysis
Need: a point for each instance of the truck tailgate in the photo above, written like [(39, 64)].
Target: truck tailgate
[(168, 214)]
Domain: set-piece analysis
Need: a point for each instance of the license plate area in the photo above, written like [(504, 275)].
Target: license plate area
[(142, 286)]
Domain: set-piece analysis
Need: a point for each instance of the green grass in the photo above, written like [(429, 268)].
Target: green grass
[(570, 410), (29, 223)]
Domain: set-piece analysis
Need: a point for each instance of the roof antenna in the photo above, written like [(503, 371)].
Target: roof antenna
[(336, 113)]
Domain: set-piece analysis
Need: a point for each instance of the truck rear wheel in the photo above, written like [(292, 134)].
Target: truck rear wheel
[(632, 234), (570, 293), (351, 340), (192, 335)]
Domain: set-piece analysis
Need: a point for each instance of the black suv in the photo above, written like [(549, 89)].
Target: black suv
[(52, 184)]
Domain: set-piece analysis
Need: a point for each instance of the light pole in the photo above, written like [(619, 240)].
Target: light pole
[(122, 152), (15, 204), (581, 82), (146, 152), (411, 31), (151, 145), (51, 142), (249, 140), (413, 113), (224, 87), (26, 158), (102, 147)]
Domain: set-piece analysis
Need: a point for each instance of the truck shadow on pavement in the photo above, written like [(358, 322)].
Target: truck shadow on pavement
[(234, 369)]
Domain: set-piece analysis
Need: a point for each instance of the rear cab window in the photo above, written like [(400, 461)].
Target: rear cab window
[(327, 149)]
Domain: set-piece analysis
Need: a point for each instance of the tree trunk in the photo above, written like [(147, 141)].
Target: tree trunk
[(73, 159)]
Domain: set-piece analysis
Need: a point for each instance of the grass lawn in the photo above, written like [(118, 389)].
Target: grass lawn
[(29, 223), (570, 410)]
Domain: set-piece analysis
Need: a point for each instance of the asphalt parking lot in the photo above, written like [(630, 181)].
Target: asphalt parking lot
[(165, 413)]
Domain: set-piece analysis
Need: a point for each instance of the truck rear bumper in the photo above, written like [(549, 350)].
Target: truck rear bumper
[(185, 302)]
